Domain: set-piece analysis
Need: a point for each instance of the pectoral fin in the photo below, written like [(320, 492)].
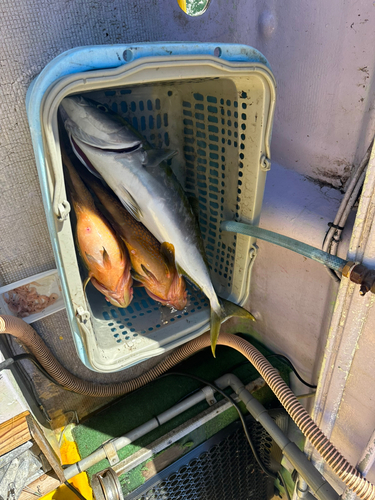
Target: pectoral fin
[(83, 158), (155, 156), (92, 260), (194, 203), (149, 274), (129, 203), (137, 284), (144, 279), (138, 277), (106, 259)]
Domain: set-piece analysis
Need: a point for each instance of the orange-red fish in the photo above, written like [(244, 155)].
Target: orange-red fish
[(153, 263), (102, 251)]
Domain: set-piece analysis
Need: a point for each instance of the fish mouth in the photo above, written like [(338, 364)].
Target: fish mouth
[(178, 303), (122, 296)]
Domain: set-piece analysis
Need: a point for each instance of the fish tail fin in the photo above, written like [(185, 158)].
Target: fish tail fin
[(228, 310), (235, 311), (217, 317)]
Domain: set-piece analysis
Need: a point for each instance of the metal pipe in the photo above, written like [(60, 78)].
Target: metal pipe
[(302, 490), (309, 251), (357, 273), (135, 434), (181, 431), (320, 487), (297, 458)]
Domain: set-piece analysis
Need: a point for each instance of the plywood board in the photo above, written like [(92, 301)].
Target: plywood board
[(14, 432)]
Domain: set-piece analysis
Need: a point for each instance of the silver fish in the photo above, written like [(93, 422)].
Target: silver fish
[(149, 190)]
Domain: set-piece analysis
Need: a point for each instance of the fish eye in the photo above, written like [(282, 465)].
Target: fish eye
[(102, 108)]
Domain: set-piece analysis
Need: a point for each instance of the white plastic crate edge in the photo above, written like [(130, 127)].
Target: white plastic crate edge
[(12, 401), (146, 70)]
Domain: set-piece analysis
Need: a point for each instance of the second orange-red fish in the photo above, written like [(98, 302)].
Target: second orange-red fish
[(153, 263)]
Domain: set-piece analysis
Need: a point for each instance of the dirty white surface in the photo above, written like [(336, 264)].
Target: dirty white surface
[(12, 403), (322, 56)]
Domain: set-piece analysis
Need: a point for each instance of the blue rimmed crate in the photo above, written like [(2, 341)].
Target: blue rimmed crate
[(217, 112)]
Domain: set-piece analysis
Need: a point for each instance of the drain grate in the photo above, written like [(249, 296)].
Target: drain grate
[(222, 468)]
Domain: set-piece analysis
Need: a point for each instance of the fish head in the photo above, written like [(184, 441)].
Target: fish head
[(109, 164), (95, 125), (122, 293), (175, 297)]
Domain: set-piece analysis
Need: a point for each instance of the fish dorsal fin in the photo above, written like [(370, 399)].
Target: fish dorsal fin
[(167, 251), (129, 203), (154, 157)]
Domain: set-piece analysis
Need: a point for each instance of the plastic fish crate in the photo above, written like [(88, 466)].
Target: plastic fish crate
[(214, 105)]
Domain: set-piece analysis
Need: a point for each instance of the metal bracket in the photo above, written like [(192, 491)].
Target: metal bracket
[(111, 453), (63, 210), (82, 315), (265, 163), (209, 395)]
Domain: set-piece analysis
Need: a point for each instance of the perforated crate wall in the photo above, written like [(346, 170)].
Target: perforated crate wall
[(209, 132), (206, 122)]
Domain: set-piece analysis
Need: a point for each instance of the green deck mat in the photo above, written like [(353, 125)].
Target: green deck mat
[(136, 408)]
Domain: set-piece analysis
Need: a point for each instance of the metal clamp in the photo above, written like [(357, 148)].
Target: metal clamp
[(111, 453), (265, 163), (209, 395)]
